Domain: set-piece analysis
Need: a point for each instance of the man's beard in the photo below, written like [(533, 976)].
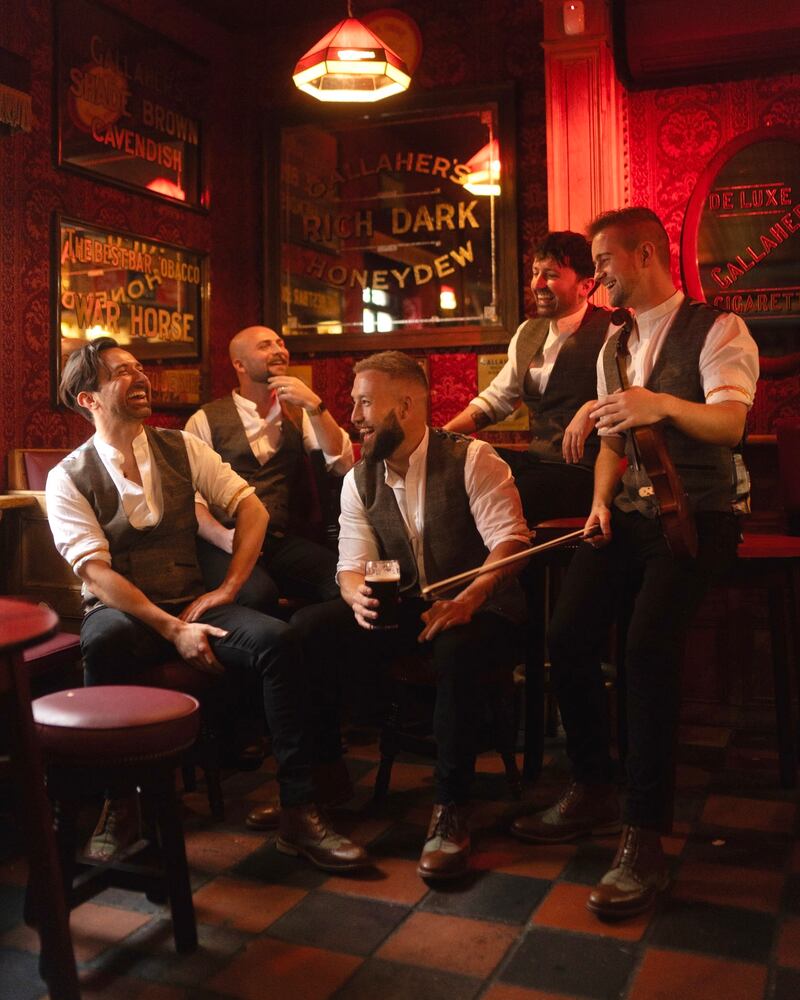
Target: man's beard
[(385, 441)]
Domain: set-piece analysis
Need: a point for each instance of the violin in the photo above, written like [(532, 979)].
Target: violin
[(652, 455)]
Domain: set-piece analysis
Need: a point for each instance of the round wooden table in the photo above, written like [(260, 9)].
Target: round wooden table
[(23, 624)]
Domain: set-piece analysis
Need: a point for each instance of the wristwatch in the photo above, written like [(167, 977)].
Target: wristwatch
[(319, 408)]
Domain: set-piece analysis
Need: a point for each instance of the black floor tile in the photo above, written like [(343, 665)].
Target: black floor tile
[(726, 931), (339, 923), (564, 963), (378, 979), (741, 849), (791, 894), (507, 899), (590, 863), (19, 976), (402, 840), (266, 864), (787, 984)]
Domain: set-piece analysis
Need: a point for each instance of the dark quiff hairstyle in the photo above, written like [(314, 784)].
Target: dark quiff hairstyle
[(82, 373), (567, 249), (396, 365), (635, 225)]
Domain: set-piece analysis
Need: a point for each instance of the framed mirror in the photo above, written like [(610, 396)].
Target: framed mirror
[(394, 229)]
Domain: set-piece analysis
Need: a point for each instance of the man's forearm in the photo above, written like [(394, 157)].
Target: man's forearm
[(715, 423), (607, 471), (479, 590), (471, 419), (209, 528), (248, 537), (116, 592), (327, 431)]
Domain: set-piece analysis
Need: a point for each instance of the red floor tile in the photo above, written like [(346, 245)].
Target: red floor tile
[(687, 776), (215, 850), (501, 853), (751, 888), (393, 879), (673, 846), (405, 777), (564, 907), (673, 975), (503, 992), (94, 929), (14, 872), (247, 906), (796, 857), (454, 944), (269, 968), (749, 814), (789, 943)]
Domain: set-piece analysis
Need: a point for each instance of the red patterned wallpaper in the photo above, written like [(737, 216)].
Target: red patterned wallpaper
[(32, 188), (672, 134)]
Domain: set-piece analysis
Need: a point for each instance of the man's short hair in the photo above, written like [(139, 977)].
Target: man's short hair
[(396, 365), (568, 249), (635, 225), (82, 373)]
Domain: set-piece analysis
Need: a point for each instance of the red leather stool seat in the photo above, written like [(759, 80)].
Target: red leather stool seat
[(115, 723)]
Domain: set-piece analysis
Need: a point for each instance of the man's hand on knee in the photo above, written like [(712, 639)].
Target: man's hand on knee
[(443, 615), (205, 602), (191, 642)]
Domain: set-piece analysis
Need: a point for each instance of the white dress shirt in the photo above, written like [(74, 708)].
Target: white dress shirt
[(493, 501), (264, 433), (728, 358), (76, 531), (502, 396)]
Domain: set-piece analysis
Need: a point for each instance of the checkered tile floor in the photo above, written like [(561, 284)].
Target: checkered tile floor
[(515, 929)]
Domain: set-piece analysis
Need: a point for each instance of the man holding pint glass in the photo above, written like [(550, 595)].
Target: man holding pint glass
[(421, 506)]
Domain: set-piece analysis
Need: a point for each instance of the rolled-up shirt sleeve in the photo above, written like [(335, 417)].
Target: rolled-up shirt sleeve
[(500, 398), (357, 540), (214, 479), (342, 461), (76, 531), (493, 497), (729, 362)]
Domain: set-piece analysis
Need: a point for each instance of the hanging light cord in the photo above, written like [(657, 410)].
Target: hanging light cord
[(349, 8)]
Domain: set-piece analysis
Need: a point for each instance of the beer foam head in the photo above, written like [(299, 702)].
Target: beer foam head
[(383, 576)]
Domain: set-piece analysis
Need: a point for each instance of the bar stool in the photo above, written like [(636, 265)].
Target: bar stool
[(111, 740), (23, 625)]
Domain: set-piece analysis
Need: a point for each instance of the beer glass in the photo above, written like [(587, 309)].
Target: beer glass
[(382, 576)]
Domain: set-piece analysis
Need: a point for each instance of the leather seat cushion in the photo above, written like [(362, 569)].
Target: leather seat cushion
[(115, 722)]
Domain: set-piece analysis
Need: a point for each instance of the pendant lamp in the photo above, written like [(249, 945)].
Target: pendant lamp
[(484, 171), (351, 64)]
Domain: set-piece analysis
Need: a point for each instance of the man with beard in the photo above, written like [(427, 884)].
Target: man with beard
[(691, 370), (262, 429), (122, 511), (551, 368), (438, 503)]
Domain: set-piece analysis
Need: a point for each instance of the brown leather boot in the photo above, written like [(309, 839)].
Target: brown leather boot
[(637, 875), (119, 826), (332, 787), (582, 811), (302, 830), (446, 849)]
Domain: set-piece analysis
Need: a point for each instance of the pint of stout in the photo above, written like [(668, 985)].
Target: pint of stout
[(382, 576)]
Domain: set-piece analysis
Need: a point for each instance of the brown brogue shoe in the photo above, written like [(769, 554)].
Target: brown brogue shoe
[(446, 849), (332, 784), (638, 873), (302, 830), (266, 817), (119, 827), (582, 811)]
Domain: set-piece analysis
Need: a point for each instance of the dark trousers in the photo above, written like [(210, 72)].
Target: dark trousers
[(290, 566), (662, 594), (549, 489), (332, 642), (118, 649)]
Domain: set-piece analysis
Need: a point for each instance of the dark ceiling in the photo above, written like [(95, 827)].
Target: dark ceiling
[(249, 15)]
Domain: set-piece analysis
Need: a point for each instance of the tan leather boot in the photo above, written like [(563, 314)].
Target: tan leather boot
[(332, 787), (446, 850), (638, 873), (302, 830), (582, 811), (119, 826)]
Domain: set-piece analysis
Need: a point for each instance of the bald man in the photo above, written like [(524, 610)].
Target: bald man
[(262, 429)]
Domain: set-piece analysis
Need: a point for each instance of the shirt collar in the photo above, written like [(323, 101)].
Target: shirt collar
[(568, 324), (252, 408), (418, 456), (650, 316), (107, 450)]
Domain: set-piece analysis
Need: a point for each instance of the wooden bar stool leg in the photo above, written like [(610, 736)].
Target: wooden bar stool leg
[(534, 677), (388, 750), (778, 625), (176, 869)]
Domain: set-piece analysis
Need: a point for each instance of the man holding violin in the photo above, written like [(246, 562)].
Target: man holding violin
[(675, 381)]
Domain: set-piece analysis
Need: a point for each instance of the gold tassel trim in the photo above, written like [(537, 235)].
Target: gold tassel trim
[(16, 108)]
